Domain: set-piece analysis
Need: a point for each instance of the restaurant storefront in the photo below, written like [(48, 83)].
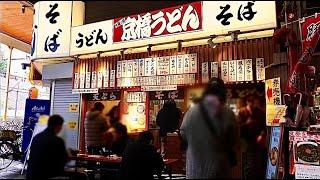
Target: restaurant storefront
[(140, 61)]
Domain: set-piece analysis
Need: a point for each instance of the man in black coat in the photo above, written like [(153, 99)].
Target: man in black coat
[(48, 154), (140, 159)]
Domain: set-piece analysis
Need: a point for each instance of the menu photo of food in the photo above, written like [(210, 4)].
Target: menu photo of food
[(307, 152)]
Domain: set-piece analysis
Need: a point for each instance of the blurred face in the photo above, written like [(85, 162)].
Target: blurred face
[(57, 129), (214, 103), (116, 113)]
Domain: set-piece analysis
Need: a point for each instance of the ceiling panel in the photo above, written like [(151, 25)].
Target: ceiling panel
[(14, 22)]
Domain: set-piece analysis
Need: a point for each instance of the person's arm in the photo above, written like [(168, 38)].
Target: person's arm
[(184, 126), (62, 151)]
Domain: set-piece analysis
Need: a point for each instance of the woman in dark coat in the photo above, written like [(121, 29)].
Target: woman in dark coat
[(168, 120)]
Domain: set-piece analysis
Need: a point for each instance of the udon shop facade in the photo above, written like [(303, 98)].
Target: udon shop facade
[(140, 61)]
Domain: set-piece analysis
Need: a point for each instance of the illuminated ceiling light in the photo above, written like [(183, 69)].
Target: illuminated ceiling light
[(179, 47), (149, 49), (210, 41)]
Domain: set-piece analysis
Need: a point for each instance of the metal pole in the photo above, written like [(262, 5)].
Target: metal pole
[(17, 99), (7, 83)]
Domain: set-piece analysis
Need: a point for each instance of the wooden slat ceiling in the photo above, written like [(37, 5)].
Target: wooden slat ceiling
[(15, 23)]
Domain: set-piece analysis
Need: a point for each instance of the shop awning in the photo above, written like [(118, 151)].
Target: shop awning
[(16, 24)]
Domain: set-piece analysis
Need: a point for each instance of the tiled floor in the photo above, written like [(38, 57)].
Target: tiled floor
[(12, 172)]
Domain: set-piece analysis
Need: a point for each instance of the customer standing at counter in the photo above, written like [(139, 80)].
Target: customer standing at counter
[(210, 132), (118, 131), (96, 127), (168, 121)]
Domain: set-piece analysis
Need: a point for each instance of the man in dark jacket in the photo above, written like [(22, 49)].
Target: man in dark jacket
[(48, 154), (140, 159)]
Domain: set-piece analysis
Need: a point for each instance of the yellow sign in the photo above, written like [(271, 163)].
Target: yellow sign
[(274, 110), (72, 124), (43, 120), (73, 107)]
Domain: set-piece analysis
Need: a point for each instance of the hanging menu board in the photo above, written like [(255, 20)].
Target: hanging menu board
[(129, 68), (94, 79), (180, 65), (240, 70), (260, 71), (205, 72), (147, 64), (82, 80), (141, 67), (173, 64), (119, 67), (88, 77), (112, 78), (105, 78), (153, 66), (76, 81), (163, 65), (193, 63), (136, 97), (225, 71), (232, 71), (99, 81), (248, 70), (215, 69), (135, 68), (186, 61)]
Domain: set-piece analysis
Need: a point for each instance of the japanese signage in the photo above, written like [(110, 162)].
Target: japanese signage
[(112, 78), (76, 81), (99, 80), (248, 70), (260, 71), (105, 75), (184, 18), (205, 72), (215, 69), (193, 63), (159, 88), (82, 80), (309, 27), (173, 64), (232, 71), (304, 138), (240, 70), (273, 153), (180, 64), (311, 35), (91, 37), (52, 28), (166, 95), (307, 172), (186, 61), (104, 96), (225, 71), (273, 102), (157, 71), (136, 97), (78, 91)]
